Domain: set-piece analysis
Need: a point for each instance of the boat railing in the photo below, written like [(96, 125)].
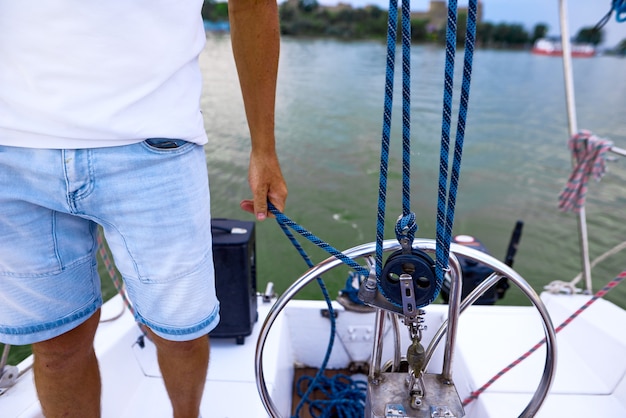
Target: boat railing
[(448, 329), (573, 129), (618, 151), (8, 373)]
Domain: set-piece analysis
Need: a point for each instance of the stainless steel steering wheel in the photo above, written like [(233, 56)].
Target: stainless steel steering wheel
[(449, 327)]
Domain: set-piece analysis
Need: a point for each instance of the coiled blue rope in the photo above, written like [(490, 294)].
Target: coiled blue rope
[(343, 396)]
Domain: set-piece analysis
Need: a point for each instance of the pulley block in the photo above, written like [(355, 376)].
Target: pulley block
[(420, 267)]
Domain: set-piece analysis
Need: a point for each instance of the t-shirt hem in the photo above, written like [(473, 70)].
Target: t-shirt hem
[(51, 142)]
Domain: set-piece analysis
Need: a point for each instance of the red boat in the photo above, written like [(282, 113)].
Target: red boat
[(553, 48)]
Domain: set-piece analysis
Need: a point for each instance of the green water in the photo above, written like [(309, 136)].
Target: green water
[(515, 162)]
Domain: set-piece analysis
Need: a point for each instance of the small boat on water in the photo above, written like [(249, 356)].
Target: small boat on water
[(554, 48), (561, 356)]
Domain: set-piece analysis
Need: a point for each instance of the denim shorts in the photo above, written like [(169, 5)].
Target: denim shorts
[(153, 206)]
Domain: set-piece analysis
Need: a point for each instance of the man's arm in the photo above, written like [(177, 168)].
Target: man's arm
[(254, 29)]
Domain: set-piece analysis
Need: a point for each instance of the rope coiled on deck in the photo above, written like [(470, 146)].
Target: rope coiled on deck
[(344, 397)]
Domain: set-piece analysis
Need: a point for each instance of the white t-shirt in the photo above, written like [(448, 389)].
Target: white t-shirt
[(95, 73)]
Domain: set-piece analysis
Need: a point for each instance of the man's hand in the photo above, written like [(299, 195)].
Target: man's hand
[(266, 182)]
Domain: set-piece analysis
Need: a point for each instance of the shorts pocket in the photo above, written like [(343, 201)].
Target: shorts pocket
[(164, 144)]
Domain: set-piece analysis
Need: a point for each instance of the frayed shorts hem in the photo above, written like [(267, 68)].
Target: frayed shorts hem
[(184, 334), (24, 335)]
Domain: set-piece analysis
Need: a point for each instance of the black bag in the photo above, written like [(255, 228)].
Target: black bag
[(234, 257)]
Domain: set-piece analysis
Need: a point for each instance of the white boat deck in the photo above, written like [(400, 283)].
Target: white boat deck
[(590, 378), (591, 366)]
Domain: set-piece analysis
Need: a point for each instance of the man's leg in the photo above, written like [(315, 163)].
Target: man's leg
[(184, 367), (67, 377), (162, 248)]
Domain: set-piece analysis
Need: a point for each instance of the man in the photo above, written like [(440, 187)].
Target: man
[(100, 125)]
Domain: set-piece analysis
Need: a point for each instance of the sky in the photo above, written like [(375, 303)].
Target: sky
[(582, 13)]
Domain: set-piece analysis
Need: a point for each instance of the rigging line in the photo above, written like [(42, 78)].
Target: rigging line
[(464, 105), (601, 293), (599, 259), (443, 234), (331, 342), (118, 282), (392, 22), (281, 218), (447, 198), (405, 227), (285, 223), (391, 44), (619, 6), (406, 108), (620, 10), (4, 358)]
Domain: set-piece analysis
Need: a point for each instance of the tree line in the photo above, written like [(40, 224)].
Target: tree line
[(307, 18)]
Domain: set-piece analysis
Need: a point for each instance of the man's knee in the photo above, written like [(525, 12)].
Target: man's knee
[(76, 344), (182, 347)]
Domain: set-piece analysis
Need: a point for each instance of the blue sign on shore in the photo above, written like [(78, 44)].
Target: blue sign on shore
[(219, 26)]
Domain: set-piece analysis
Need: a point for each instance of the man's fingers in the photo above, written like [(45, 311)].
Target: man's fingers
[(247, 205), (260, 203)]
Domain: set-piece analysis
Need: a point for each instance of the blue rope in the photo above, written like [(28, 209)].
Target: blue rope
[(620, 10), (344, 397), (443, 239), (617, 6), (350, 290), (406, 108), (405, 227), (286, 223), (447, 199), (392, 23)]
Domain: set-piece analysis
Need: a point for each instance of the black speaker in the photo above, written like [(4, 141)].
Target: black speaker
[(234, 257)]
